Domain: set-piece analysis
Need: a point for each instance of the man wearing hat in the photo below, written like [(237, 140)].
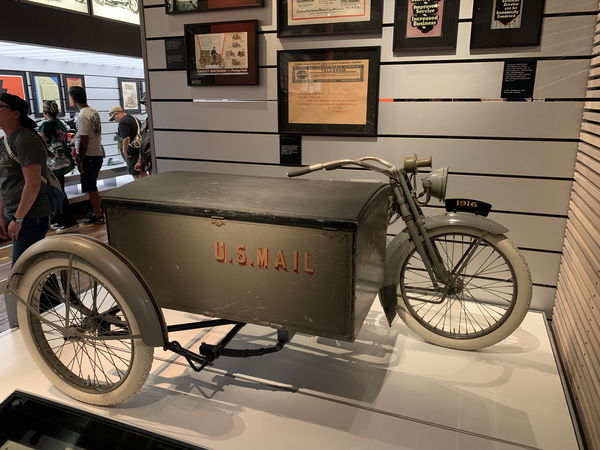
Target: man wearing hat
[(130, 132), (25, 205)]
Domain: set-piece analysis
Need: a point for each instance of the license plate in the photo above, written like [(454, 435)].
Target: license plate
[(468, 205)]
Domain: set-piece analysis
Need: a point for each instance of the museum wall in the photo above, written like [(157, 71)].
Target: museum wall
[(577, 309), (519, 156), (101, 82)]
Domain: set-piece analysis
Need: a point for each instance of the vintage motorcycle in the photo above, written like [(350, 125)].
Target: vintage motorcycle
[(132, 5), (91, 315)]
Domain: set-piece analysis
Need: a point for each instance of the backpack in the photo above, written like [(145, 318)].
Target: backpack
[(55, 191)]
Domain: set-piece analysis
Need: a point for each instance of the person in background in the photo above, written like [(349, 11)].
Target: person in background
[(129, 131), (25, 206), (54, 133), (144, 163), (88, 142)]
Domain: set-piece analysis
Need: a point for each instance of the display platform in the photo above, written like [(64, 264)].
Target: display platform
[(387, 390)]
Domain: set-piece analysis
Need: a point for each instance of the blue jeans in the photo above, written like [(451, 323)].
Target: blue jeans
[(33, 230)]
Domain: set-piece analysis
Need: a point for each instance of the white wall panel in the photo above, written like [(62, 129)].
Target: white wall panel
[(101, 93), (101, 82)]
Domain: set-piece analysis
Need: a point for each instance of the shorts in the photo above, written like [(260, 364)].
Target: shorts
[(91, 169), (131, 162)]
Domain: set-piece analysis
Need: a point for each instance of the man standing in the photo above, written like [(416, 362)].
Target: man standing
[(130, 132), (88, 142)]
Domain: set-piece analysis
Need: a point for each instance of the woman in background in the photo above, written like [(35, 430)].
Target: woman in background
[(60, 160)]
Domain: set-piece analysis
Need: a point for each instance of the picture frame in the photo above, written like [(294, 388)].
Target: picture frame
[(15, 83), (129, 94), (46, 86), (296, 19), (222, 53), (68, 81), (507, 23), (76, 6), (425, 25), (328, 91), (125, 11), (190, 6)]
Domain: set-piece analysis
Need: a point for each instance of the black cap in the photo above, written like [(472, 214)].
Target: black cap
[(18, 104)]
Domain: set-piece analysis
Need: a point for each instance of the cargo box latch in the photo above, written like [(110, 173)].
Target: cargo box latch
[(218, 221)]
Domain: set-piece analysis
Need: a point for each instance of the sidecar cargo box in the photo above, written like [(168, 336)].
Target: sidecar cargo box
[(303, 255)]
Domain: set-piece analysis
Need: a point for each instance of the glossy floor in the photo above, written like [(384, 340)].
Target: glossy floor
[(387, 390)]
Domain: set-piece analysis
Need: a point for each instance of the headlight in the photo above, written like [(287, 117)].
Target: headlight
[(435, 183)]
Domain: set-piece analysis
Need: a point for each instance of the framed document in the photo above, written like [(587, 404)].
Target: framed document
[(129, 94), (15, 83), (181, 6), (425, 24), (507, 23), (319, 17), (328, 91), (68, 82), (223, 53), (46, 86)]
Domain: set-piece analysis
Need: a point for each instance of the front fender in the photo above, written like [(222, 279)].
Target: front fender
[(108, 261), (398, 249)]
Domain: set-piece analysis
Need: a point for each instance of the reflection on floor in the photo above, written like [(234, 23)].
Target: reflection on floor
[(387, 390)]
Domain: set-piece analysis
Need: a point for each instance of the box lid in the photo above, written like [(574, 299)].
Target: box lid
[(257, 199)]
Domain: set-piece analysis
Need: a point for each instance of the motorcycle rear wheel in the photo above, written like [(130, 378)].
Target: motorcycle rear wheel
[(485, 303)]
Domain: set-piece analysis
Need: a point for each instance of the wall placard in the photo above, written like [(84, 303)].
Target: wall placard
[(46, 86), (518, 79), (175, 53), (290, 150), (507, 23)]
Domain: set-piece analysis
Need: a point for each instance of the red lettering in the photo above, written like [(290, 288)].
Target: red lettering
[(280, 261), (309, 270), (220, 252), (242, 259), (262, 258), (296, 261)]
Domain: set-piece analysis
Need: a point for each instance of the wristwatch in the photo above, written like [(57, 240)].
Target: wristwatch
[(14, 219)]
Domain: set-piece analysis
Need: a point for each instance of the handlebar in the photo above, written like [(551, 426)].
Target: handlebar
[(361, 162)]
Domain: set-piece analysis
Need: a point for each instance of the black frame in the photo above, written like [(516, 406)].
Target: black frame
[(329, 28), (448, 32), (171, 7), (122, 98), (243, 79), (209, 5), (68, 107), (38, 109), (529, 33), (373, 54), (23, 76)]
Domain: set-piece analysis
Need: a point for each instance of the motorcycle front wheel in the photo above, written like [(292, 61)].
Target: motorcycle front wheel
[(484, 301)]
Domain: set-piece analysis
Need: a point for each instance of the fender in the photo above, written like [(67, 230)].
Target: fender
[(108, 261), (398, 249)]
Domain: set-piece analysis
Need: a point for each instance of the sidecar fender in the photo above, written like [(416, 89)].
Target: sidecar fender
[(109, 262), (398, 249)]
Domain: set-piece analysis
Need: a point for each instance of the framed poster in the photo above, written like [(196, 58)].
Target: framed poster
[(15, 83), (68, 82), (507, 23), (181, 6), (320, 17), (120, 10), (328, 91), (223, 53), (46, 86), (79, 6), (425, 25), (129, 94), (184, 6)]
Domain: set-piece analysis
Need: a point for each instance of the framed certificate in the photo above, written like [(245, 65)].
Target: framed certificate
[(507, 23), (46, 86), (328, 91), (68, 82), (15, 83), (129, 94), (223, 53), (321, 17), (425, 24)]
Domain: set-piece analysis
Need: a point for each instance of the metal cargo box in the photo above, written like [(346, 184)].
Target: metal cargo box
[(304, 255)]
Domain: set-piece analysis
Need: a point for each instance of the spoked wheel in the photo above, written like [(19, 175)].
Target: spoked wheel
[(80, 331), (484, 301), (134, 6)]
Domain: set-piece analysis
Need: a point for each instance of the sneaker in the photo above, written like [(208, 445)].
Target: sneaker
[(67, 229), (93, 220)]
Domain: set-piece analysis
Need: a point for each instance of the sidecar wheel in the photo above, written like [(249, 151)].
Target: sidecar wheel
[(85, 338), (485, 303)]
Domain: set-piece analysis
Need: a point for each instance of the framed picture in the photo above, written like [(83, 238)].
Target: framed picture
[(46, 86), (224, 53), (328, 91), (507, 23), (129, 94), (121, 11), (425, 25), (185, 6), (68, 82), (321, 17), (15, 83), (79, 6)]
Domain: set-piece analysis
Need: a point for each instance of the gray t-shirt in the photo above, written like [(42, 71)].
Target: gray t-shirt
[(88, 124), (29, 149)]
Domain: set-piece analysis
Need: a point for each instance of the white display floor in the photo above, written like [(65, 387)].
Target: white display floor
[(387, 390)]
